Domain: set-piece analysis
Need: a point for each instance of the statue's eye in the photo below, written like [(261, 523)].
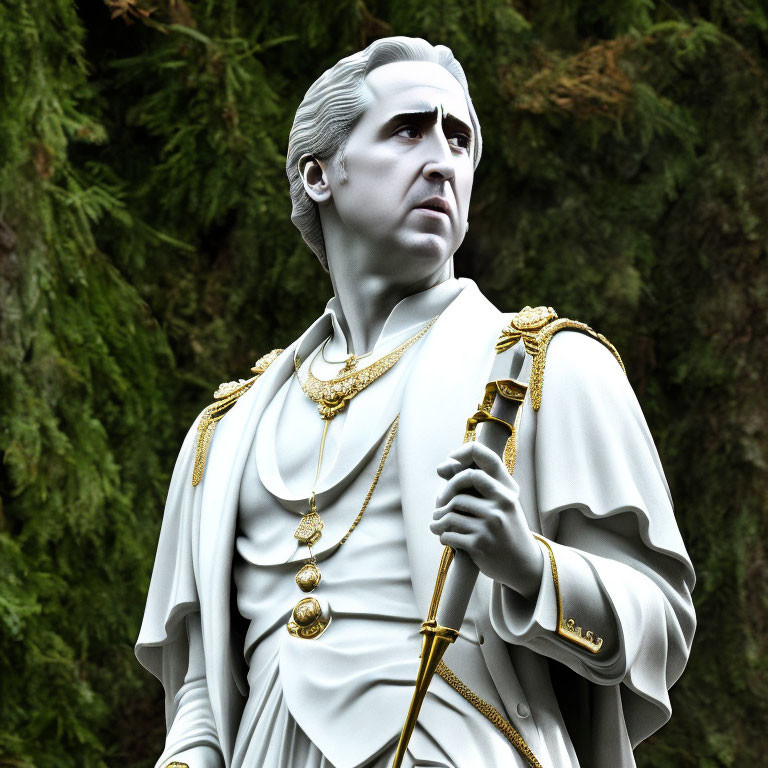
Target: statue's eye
[(460, 140), (408, 132)]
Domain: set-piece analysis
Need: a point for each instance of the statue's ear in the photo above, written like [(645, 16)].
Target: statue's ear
[(314, 177)]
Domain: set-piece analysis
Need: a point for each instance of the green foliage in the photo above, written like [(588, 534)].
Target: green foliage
[(146, 253)]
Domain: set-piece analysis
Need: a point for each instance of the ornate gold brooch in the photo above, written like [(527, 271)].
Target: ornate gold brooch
[(536, 326)]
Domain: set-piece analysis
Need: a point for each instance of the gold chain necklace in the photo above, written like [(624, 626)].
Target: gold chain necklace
[(349, 364), (311, 616), (333, 395)]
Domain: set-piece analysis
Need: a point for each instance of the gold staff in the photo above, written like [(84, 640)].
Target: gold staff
[(500, 412)]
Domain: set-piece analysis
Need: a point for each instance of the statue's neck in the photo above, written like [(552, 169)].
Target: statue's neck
[(366, 301)]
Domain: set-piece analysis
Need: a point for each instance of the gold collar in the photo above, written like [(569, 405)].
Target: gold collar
[(333, 395)]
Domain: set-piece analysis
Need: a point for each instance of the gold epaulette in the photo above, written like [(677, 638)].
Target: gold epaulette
[(536, 326), (226, 396)]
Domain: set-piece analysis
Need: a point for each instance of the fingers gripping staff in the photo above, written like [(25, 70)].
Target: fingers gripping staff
[(495, 425), (474, 525)]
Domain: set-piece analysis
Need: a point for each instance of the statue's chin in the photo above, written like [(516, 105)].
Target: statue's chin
[(407, 257), (425, 245), (413, 265)]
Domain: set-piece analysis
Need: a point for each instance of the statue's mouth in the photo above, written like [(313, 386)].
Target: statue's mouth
[(439, 204)]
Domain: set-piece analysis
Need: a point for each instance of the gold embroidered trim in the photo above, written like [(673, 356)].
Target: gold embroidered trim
[(227, 395), (176, 764), (491, 713), (536, 326), (567, 628)]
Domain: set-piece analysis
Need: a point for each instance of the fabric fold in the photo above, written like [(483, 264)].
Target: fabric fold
[(591, 480)]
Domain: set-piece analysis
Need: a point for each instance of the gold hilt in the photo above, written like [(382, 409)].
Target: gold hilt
[(437, 638), (512, 394)]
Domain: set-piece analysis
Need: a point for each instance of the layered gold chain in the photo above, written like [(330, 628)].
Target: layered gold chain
[(332, 396), (311, 616)]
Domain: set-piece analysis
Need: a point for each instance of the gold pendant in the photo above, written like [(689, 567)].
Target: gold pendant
[(309, 530), (308, 577), (309, 619)]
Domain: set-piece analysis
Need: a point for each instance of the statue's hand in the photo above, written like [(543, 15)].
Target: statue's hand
[(479, 511)]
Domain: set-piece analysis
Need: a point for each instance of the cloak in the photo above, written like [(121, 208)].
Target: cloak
[(592, 487)]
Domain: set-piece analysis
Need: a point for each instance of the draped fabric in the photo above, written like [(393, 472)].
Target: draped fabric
[(340, 700), (590, 483), (448, 734)]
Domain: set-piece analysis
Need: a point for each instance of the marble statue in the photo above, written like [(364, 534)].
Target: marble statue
[(310, 503)]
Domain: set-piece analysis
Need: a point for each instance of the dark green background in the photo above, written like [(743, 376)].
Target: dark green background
[(146, 254)]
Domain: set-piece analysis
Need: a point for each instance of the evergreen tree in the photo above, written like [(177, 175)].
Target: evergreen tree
[(146, 253)]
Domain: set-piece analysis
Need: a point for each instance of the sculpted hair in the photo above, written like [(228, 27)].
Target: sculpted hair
[(332, 106)]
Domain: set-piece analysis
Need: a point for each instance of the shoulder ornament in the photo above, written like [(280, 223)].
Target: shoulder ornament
[(536, 326), (225, 396)]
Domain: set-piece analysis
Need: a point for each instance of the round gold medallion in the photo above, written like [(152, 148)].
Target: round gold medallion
[(307, 611), (310, 618), (308, 577)]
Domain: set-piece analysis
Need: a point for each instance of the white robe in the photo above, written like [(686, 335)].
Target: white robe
[(590, 482), (341, 700)]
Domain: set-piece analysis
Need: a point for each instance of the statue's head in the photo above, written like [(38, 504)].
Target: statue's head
[(335, 103)]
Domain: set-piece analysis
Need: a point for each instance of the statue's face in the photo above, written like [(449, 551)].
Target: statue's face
[(409, 170)]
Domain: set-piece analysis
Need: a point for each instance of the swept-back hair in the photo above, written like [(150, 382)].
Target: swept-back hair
[(332, 106)]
